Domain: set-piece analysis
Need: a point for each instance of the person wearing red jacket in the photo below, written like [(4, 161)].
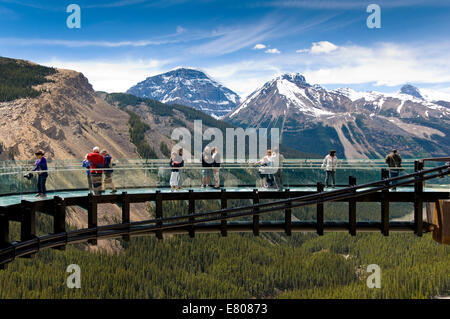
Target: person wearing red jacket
[(97, 161)]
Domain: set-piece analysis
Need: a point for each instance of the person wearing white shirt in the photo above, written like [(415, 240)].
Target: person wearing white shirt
[(266, 170), (330, 163), (277, 160)]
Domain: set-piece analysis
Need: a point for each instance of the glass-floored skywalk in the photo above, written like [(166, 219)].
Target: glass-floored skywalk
[(68, 179)]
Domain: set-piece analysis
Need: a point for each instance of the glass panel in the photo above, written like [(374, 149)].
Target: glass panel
[(68, 178)]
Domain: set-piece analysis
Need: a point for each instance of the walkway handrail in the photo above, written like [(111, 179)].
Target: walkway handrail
[(322, 196), (9, 253)]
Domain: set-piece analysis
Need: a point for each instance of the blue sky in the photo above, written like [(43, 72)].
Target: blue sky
[(240, 43)]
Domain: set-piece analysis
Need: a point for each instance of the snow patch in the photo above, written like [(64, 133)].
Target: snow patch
[(292, 92)]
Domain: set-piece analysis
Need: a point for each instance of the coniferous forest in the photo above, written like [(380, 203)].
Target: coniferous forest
[(18, 79), (238, 266)]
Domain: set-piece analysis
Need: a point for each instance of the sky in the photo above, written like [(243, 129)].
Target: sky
[(242, 44)]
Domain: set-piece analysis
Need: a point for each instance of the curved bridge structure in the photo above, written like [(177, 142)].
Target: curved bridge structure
[(411, 189)]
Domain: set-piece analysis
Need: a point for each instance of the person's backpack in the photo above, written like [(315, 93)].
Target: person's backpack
[(107, 161)]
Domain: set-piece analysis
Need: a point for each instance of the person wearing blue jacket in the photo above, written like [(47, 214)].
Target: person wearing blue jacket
[(108, 172), (87, 164), (41, 169)]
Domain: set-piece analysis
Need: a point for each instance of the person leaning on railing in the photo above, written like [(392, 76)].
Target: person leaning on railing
[(266, 170), (41, 169)]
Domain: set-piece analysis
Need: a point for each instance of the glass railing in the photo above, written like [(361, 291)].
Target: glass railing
[(68, 175)]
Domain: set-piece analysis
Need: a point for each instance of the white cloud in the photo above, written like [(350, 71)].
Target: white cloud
[(232, 39), (180, 29), (273, 51), (112, 76), (384, 64), (323, 47), (436, 94), (259, 46), (320, 47)]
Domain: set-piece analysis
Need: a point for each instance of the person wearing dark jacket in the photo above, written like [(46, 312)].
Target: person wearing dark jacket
[(394, 162), (207, 164), (179, 158), (175, 163), (41, 169), (108, 172), (216, 166)]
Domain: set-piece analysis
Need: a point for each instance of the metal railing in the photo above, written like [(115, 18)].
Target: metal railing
[(185, 223)]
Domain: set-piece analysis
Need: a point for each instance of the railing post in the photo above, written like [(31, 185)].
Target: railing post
[(126, 214), (352, 209), (418, 201), (158, 213), (92, 216), (191, 212), (223, 205), (319, 218), (288, 215), (4, 231), (4, 235), (255, 213), (59, 218), (385, 204), (27, 223)]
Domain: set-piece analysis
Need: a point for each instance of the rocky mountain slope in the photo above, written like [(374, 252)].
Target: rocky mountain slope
[(188, 87), (66, 120), (161, 119), (64, 117), (356, 124)]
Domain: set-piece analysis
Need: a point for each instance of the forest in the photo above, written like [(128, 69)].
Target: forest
[(18, 79), (272, 265)]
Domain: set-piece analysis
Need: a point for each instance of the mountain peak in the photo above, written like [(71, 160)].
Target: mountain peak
[(188, 86), (411, 90), (185, 72), (296, 78)]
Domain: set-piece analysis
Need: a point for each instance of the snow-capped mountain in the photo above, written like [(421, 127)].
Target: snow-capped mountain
[(356, 124), (188, 87), (408, 102)]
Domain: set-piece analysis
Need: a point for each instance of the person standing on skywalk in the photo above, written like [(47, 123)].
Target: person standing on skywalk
[(41, 169), (97, 161), (394, 162), (330, 163)]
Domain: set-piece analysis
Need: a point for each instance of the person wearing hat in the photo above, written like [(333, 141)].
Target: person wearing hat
[(97, 161), (330, 163), (394, 162), (41, 169)]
